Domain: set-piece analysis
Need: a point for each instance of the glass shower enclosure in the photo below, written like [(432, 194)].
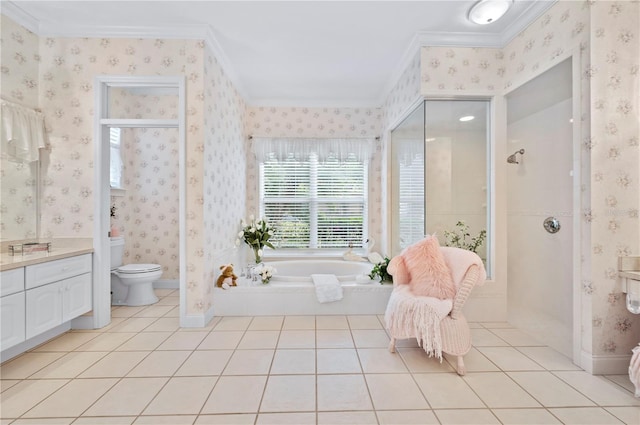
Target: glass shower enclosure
[(439, 175)]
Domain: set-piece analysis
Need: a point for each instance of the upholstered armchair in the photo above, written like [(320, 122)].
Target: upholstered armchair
[(438, 324)]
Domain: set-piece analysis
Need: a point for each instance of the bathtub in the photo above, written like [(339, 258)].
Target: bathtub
[(300, 271), (291, 291)]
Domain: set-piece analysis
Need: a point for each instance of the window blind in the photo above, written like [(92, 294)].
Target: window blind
[(315, 203), (115, 155), (411, 200)]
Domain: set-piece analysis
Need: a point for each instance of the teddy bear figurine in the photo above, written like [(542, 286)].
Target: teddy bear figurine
[(227, 278)]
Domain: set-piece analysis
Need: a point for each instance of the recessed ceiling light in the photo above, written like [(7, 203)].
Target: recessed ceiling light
[(467, 118), (430, 139), (488, 11)]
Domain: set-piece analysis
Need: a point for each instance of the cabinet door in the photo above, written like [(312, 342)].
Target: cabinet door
[(76, 298), (12, 313), (44, 308)]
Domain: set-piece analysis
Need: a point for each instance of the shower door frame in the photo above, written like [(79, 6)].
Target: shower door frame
[(580, 358), (492, 113)]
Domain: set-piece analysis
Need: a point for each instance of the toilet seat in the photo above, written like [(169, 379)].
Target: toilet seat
[(139, 268)]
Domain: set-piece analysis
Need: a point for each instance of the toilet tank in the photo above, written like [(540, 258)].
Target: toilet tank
[(117, 251)]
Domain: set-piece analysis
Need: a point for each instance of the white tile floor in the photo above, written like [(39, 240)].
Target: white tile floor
[(144, 369)]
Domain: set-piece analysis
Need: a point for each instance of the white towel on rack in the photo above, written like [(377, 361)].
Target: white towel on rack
[(23, 132), (328, 287)]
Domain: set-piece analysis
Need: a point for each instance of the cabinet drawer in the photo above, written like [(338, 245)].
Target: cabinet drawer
[(11, 281), (52, 271)]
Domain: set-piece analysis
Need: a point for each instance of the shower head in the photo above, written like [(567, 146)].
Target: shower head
[(512, 158)]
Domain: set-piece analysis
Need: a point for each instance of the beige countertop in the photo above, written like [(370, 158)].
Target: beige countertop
[(60, 248), (629, 267), (630, 274)]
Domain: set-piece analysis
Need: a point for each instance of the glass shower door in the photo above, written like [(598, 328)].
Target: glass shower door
[(439, 178)]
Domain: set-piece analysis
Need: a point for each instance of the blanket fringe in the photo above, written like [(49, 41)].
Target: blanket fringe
[(408, 317)]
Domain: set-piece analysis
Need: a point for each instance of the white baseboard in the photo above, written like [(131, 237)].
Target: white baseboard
[(208, 316), (617, 364), (166, 284), (12, 352), (197, 320)]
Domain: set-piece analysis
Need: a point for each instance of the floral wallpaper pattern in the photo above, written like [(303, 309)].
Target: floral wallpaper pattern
[(614, 76), (404, 93), (321, 123), (67, 69), (224, 171), (147, 215), (461, 69), (19, 61)]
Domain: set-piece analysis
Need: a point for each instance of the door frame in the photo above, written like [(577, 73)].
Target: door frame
[(102, 248), (576, 266)]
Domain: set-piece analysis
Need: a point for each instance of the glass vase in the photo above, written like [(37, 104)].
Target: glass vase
[(256, 255)]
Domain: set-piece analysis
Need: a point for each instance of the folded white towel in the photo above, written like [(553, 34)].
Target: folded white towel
[(328, 287)]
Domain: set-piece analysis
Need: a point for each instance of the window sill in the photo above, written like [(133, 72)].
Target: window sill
[(282, 254)]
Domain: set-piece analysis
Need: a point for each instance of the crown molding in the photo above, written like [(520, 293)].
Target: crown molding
[(327, 103), (19, 16), (459, 39), (185, 32), (526, 18)]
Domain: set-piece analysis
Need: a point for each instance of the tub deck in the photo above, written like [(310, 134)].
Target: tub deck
[(299, 299)]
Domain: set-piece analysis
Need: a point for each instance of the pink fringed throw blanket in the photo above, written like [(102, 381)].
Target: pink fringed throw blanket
[(410, 316)]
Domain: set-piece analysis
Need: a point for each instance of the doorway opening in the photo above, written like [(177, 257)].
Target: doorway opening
[(146, 115), (543, 204)]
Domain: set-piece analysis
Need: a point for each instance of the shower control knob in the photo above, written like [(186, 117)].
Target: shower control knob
[(551, 225)]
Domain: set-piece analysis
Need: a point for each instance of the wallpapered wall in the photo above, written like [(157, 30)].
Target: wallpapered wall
[(147, 215), (67, 70), (403, 94), (224, 171), (19, 84), (614, 74), (322, 123)]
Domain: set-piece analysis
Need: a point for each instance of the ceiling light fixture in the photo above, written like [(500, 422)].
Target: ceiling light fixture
[(488, 11), (467, 118)]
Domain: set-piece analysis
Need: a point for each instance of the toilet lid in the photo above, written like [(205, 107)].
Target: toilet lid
[(139, 268)]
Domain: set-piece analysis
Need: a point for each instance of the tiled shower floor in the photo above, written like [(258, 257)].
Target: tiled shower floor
[(144, 369)]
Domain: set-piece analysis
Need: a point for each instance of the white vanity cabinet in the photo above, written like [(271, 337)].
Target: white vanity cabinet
[(39, 297), (57, 292)]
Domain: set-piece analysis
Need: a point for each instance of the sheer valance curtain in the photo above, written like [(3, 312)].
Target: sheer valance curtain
[(341, 149), (409, 151), (22, 132)]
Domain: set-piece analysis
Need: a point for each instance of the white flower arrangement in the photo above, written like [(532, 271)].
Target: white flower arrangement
[(256, 234), (265, 272)]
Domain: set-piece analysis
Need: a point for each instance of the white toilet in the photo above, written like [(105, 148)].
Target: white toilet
[(131, 284)]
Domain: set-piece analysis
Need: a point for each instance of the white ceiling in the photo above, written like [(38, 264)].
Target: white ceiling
[(303, 53)]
